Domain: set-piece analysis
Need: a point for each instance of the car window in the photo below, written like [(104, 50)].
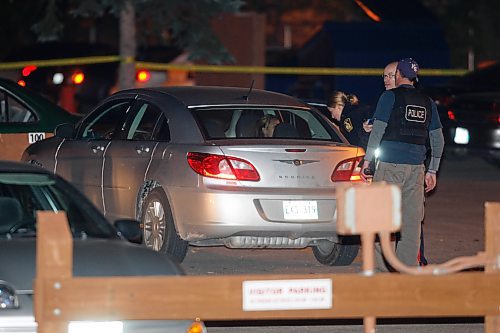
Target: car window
[(162, 129), (105, 122), (147, 123), (265, 122), (12, 111), (23, 194)]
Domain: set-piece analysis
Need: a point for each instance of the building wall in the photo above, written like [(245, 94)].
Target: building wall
[(244, 36)]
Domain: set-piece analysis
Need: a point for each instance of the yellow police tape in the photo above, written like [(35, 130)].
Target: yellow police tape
[(222, 68), (59, 62)]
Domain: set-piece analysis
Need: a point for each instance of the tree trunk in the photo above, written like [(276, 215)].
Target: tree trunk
[(127, 47)]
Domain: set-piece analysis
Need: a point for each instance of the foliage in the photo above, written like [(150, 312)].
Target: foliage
[(181, 23), (469, 26)]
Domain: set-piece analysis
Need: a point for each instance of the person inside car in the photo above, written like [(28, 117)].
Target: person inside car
[(265, 126)]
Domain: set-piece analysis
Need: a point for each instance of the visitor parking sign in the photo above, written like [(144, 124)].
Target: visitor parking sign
[(303, 294)]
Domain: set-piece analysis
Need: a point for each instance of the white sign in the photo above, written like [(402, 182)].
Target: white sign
[(34, 137), (287, 295), (300, 210)]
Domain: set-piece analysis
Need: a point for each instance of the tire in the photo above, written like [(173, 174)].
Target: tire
[(337, 254), (158, 226)]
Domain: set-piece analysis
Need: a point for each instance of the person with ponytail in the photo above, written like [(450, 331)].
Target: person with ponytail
[(351, 117)]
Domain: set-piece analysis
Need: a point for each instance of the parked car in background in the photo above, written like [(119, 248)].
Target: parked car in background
[(474, 124), (98, 248), (26, 117), (483, 79), (76, 87), (470, 112), (79, 87), (192, 164)]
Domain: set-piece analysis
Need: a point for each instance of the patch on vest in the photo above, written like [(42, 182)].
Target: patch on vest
[(416, 113), (348, 125)]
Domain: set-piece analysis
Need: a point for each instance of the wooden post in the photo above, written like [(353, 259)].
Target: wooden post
[(54, 262), (368, 248), (492, 244)]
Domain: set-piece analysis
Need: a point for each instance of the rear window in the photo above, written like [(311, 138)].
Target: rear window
[(265, 122)]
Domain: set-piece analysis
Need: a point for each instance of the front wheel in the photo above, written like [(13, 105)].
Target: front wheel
[(159, 228), (336, 254)]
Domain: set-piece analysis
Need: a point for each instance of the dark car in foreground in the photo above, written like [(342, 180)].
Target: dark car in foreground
[(99, 248), (26, 117), (193, 165)]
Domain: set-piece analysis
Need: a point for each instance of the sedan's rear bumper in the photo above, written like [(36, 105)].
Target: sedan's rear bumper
[(240, 219)]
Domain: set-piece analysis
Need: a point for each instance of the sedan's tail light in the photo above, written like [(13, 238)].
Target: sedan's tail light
[(348, 170), (220, 166)]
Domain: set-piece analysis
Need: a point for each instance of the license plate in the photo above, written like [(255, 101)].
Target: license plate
[(300, 210)]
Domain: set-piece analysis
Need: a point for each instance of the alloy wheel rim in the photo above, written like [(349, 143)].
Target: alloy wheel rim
[(154, 225)]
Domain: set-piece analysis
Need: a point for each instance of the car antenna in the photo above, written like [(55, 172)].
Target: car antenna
[(249, 91)]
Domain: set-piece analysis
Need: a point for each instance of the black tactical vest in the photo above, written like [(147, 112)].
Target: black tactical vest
[(410, 117)]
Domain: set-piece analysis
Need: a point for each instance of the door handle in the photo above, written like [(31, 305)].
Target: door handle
[(97, 148), (142, 149)]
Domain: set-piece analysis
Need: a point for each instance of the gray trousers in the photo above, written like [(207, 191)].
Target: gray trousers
[(410, 178)]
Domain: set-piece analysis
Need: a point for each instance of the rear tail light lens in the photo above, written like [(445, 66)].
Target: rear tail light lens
[(143, 76), (451, 115), (222, 167), (78, 78), (28, 70), (348, 170)]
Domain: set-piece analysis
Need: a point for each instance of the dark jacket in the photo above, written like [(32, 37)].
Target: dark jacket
[(351, 124)]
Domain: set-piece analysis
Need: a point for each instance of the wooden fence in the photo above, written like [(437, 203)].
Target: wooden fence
[(61, 297)]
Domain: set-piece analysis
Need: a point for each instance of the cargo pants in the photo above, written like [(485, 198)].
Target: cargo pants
[(410, 178)]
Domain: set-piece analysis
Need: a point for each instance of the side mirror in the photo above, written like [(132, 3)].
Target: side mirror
[(65, 131), (130, 229)]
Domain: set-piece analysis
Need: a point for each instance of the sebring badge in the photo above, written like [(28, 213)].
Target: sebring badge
[(297, 162)]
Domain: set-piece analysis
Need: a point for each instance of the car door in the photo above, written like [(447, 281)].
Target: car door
[(129, 158), (18, 127), (81, 160)]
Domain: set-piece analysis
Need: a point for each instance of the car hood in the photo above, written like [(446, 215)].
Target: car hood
[(91, 257)]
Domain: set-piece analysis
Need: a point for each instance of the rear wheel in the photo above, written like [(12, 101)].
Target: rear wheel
[(159, 228), (337, 254)]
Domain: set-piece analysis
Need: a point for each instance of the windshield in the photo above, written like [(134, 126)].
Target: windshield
[(264, 122), (23, 194)]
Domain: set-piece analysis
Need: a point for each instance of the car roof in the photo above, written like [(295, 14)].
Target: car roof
[(50, 113), (192, 96), (11, 166)]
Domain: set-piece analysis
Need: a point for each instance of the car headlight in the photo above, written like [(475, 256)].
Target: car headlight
[(8, 297), (95, 327), (461, 136)]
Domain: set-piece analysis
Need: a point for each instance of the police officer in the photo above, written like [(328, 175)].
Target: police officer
[(389, 77), (351, 117), (404, 120)]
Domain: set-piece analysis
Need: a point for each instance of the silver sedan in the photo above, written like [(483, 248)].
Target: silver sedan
[(207, 166)]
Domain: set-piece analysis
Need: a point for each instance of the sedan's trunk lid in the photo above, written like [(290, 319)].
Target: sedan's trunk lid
[(288, 165)]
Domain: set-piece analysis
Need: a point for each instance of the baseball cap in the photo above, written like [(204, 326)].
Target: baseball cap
[(408, 68)]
